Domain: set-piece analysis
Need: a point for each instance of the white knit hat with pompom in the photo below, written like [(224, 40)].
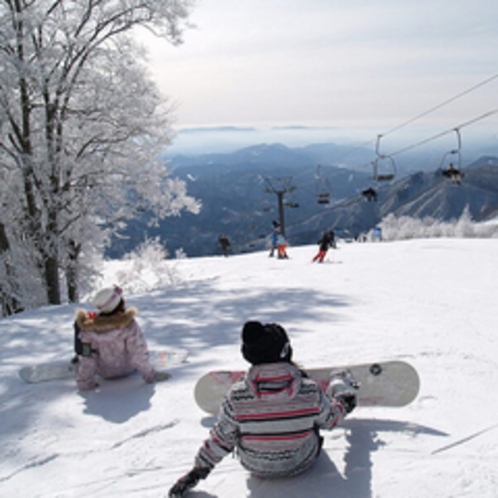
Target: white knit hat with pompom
[(108, 299)]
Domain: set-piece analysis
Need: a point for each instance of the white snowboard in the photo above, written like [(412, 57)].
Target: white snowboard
[(63, 369), (386, 384)]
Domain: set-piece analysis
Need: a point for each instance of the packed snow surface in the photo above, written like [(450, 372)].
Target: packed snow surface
[(431, 302)]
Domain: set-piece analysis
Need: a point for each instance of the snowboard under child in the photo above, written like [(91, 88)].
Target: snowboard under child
[(110, 343), (273, 417)]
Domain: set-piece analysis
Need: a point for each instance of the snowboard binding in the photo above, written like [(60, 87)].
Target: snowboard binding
[(343, 388), (345, 377)]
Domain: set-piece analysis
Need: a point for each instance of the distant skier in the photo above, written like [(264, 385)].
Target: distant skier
[(224, 243), (327, 241), (110, 343), (282, 247), (272, 418), (274, 237), (377, 234)]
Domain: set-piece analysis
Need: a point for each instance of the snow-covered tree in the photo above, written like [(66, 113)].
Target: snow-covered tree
[(81, 130)]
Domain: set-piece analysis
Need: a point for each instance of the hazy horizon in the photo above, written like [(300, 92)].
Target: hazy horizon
[(197, 140)]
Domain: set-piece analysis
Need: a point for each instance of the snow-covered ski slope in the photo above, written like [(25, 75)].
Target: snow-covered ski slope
[(432, 302)]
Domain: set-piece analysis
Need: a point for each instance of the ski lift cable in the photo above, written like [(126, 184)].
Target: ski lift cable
[(421, 115), (444, 133), (442, 104), (434, 137)]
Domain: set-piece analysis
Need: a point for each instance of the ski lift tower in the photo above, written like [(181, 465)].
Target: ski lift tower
[(280, 187)]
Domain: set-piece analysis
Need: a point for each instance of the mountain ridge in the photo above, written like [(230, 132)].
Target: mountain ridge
[(233, 190)]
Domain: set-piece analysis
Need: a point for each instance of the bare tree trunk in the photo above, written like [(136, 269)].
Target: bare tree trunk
[(51, 274), (72, 275), (8, 301), (50, 251)]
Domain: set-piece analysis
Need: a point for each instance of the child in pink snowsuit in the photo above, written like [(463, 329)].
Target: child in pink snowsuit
[(111, 343)]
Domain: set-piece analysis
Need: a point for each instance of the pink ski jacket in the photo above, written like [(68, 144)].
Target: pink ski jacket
[(272, 419), (118, 347)]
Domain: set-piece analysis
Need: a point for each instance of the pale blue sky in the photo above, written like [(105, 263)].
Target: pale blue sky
[(350, 64)]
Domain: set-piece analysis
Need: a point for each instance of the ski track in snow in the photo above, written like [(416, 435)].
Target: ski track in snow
[(152, 431), (146, 432), (464, 440), (36, 463)]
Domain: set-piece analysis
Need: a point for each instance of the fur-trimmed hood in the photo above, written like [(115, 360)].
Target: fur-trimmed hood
[(104, 323)]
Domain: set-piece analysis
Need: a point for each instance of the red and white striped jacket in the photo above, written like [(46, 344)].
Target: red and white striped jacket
[(272, 419)]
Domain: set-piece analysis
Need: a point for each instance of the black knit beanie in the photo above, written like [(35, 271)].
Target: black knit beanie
[(267, 343)]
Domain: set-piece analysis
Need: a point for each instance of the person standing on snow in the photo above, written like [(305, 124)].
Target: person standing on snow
[(327, 240), (110, 343), (224, 243), (272, 417), (281, 247), (274, 237)]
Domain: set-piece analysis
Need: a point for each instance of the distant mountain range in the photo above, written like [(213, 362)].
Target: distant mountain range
[(418, 195), (236, 193)]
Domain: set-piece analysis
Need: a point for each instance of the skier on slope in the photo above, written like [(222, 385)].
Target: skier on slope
[(281, 247), (273, 416), (224, 243), (110, 343), (327, 240), (274, 237)]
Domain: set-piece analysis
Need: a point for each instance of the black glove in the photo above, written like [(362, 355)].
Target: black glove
[(348, 400), (188, 481)]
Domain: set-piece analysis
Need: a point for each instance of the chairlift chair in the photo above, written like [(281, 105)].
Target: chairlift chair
[(384, 167), (454, 173), (370, 194), (322, 188), (291, 204)]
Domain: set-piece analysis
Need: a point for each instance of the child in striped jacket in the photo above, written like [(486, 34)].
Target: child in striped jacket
[(273, 416)]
